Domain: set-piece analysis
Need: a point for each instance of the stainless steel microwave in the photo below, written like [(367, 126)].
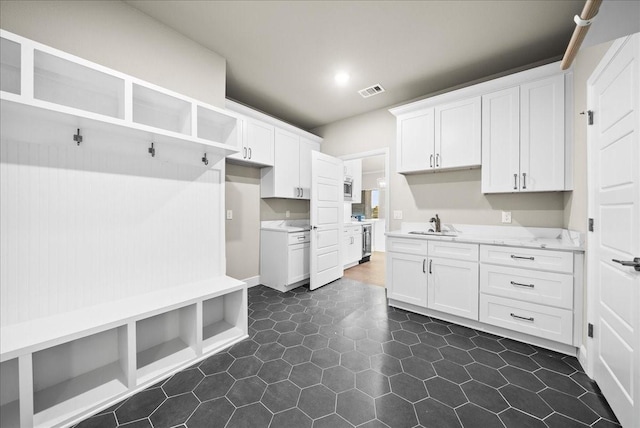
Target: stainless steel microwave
[(348, 188)]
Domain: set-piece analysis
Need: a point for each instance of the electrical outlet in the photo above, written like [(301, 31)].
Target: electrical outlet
[(506, 216), (287, 213), (229, 214), (397, 214)]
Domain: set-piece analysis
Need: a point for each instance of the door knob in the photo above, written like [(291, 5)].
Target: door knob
[(635, 263)]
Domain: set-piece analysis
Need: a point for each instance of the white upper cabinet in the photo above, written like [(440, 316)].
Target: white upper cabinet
[(415, 141), (290, 177), (457, 134), (523, 138), (257, 142), (444, 137)]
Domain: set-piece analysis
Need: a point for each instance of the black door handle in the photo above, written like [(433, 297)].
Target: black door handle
[(635, 263)]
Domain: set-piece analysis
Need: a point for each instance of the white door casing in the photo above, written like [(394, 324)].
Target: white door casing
[(327, 205), (614, 204)]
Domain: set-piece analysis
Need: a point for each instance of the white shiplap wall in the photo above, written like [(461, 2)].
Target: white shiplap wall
[(80, 227)]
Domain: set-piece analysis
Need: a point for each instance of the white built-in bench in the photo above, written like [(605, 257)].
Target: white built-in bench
[(59, 369)]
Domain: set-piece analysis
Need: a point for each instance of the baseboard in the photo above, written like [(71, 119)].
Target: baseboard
[(253, 281), (584, 360)]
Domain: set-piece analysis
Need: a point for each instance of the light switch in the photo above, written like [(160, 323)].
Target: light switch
[(506, 216), (397, 214), (229, 214)]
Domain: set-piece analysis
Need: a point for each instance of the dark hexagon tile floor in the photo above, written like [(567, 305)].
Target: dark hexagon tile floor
[(340, 357)]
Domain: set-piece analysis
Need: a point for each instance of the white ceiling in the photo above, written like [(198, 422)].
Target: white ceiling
[(282, 55)]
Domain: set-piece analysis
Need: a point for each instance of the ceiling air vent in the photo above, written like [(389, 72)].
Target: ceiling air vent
[(371, 91)]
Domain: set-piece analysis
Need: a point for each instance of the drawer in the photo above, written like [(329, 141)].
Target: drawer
[(529, 258), (536, 320), (352, 230), (299, 237), (408, 246), (453, 250), (546, 288)]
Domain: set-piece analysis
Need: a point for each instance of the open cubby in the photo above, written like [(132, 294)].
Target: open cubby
[(76, 376), (9, 394), (70, 84), (216, 127), (10, 58), (159, 110), (224, 318), (165, 341)]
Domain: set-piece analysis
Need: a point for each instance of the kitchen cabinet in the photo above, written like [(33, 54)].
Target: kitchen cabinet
[(353, 170), (523, 137), (290, 176), (528, 290), (453, 278), (284, 258), (406, 271), (352, 245), (256, 142), (446, 136)]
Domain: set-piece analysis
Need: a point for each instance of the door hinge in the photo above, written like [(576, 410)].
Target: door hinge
[(590, 115), (590, 225), (590, 330)]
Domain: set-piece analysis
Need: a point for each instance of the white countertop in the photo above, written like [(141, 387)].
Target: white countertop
[(286, 226), (513, 236)]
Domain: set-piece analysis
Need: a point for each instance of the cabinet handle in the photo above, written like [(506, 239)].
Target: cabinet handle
[(424, 261), (300, 238), (522, 285), (524, 180), (522, 258), (430, 263), (515, 181), (244, 152), (437, 159), (521, 318), (431, 161), (249, 152)]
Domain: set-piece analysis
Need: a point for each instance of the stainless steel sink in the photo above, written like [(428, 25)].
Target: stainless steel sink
[(432, 233)]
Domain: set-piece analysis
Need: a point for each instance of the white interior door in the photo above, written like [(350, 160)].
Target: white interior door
[(327, 205), (614, 193)]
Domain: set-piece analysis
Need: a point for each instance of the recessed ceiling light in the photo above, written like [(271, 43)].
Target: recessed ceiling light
[(341, 78)]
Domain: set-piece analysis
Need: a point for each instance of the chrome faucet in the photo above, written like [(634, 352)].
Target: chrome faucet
[(436, 220)]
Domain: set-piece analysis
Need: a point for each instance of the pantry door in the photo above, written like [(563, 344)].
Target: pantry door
[(327, 199), (614, 204)]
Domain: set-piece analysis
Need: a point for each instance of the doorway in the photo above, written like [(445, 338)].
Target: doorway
[(374, 208)]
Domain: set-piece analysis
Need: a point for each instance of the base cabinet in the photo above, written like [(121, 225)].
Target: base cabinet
[(453, 287), (352, 245), (284, 258), (407, 278)]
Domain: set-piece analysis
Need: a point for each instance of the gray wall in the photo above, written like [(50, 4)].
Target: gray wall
[(115, 35)]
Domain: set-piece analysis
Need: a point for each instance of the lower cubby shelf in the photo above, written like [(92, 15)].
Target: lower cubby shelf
[(69, 366), (165, 341), (9, 398), (74, 377), (224, 320)]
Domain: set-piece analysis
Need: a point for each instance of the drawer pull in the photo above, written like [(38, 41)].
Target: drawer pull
[(300, 238), (521, 318), (522, 285), (513, 256)]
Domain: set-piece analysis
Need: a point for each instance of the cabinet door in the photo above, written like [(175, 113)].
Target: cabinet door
[(501, 141), (353, 169), (299, 257), (542, 136), (259, 140), (453, 287), (407, 278), (415, 139), (286, 168), (457, 134), (306, 147), (357, 246)]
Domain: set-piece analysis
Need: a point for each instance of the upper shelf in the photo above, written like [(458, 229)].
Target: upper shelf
[(68, 92)]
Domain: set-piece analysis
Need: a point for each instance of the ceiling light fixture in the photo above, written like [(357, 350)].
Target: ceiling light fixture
[(341, 78)]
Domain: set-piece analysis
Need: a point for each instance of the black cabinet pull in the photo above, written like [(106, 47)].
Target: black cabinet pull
[(522, 258), (522, 318), (522, 285)]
